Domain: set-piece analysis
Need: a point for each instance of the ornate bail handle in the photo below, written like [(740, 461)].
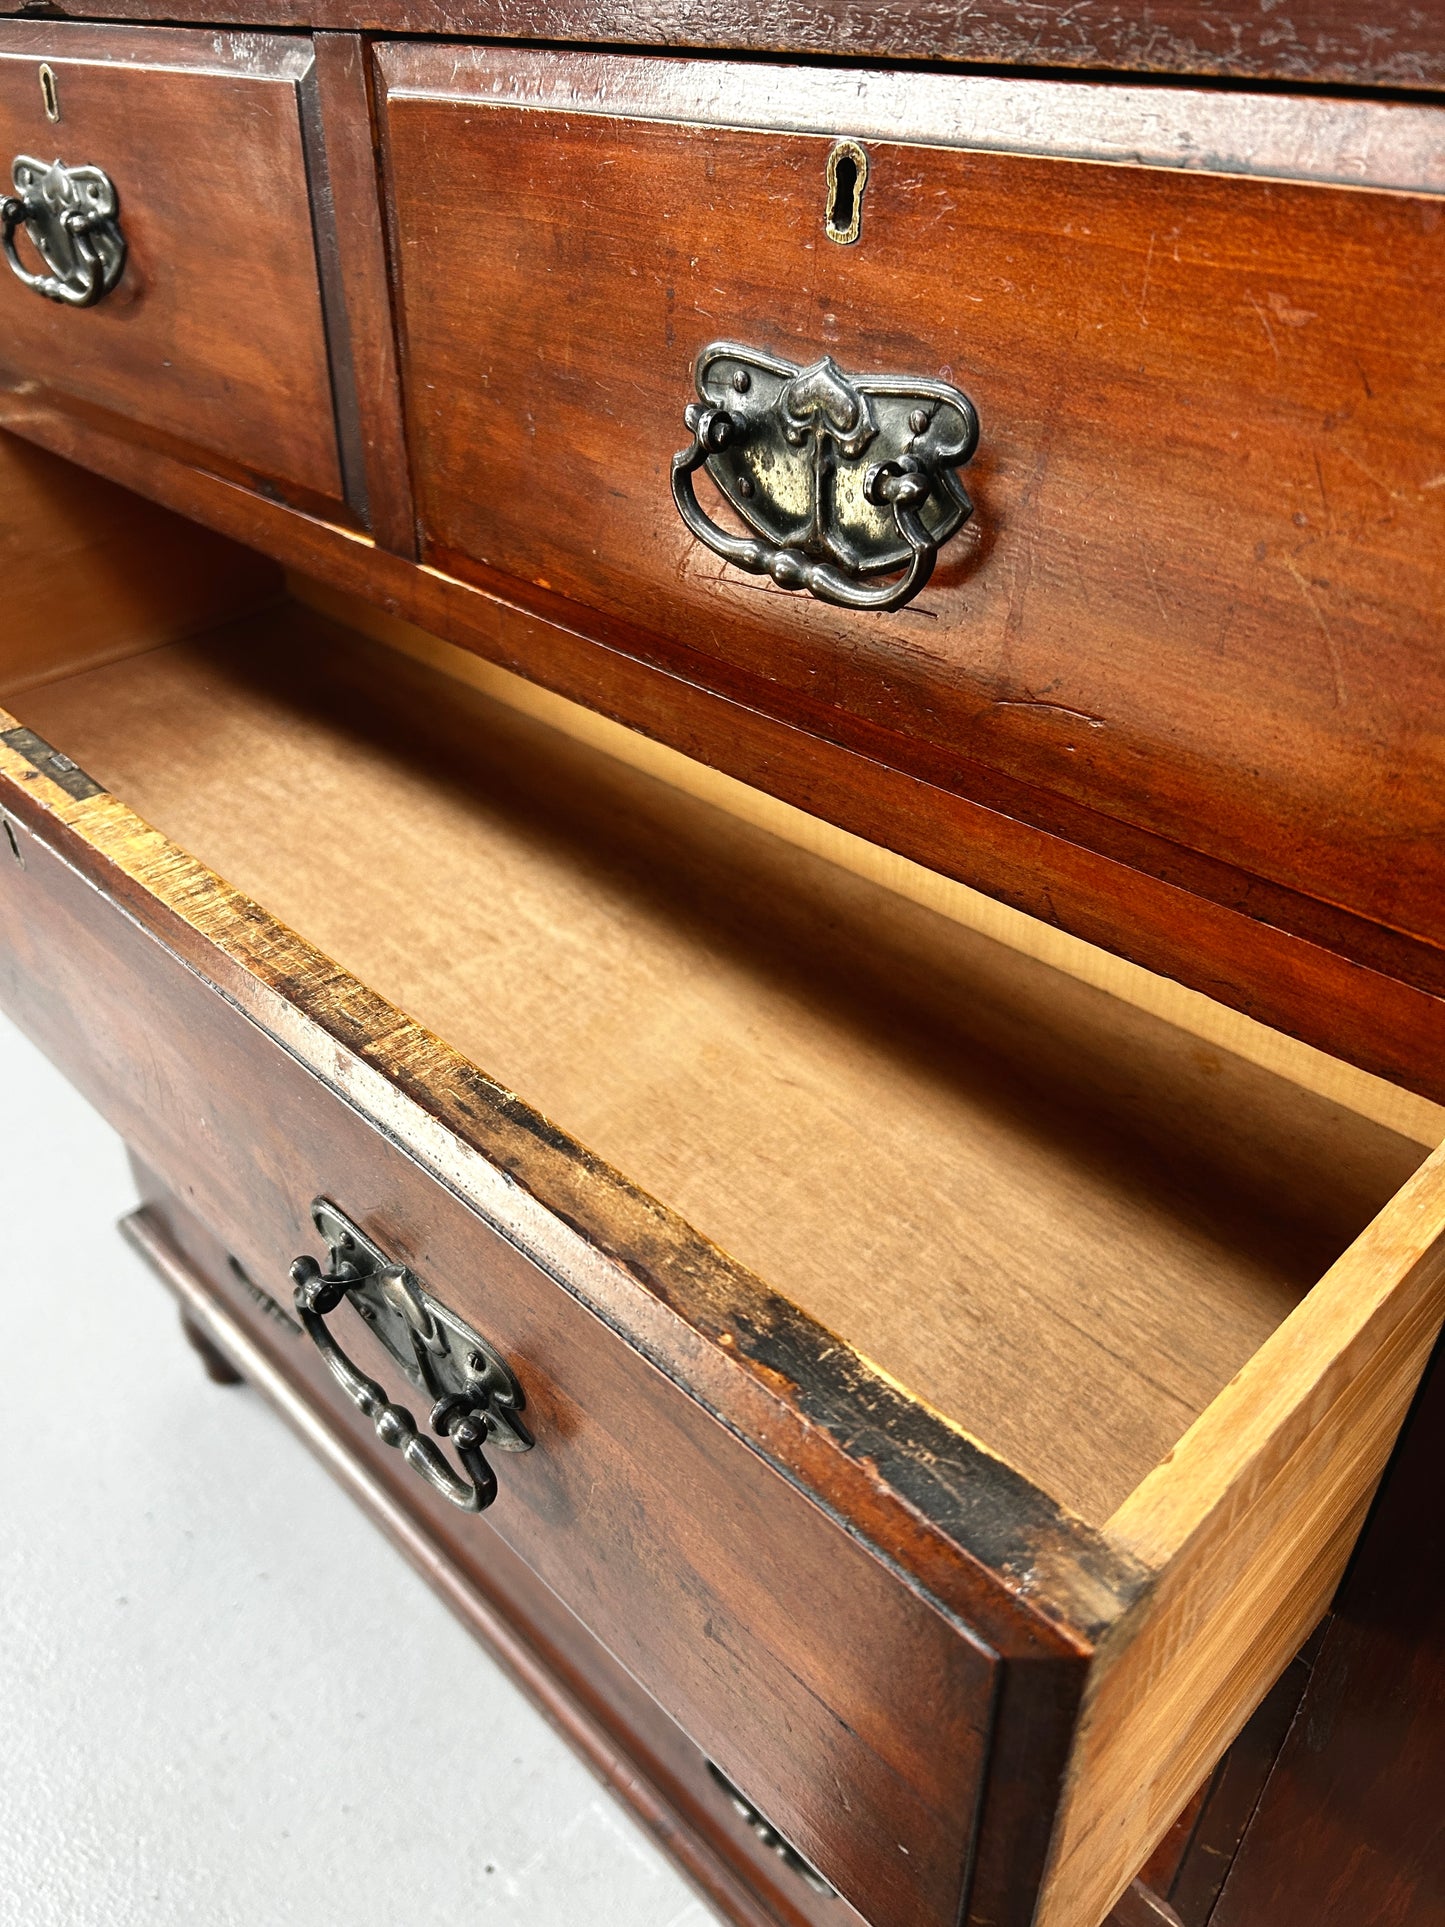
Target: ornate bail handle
[(477, 1401), (843, 479), (69, 214)]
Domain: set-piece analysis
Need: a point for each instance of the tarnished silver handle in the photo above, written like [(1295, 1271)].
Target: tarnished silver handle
[(846, 483), (70, 217), (477, 1401)]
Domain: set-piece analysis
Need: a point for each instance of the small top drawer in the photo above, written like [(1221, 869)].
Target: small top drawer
[(190, 312), (1196, 608)]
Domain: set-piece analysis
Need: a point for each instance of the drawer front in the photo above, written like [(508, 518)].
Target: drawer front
[(1199, 596), (620, 1731), (211, 344), (853, 1712)]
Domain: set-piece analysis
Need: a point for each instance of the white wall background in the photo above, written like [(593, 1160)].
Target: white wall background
[(224, 1700)]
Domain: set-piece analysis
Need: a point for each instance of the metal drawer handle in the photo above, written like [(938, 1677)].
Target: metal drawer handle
[(477, 1401), (841, 478), (69, 213)]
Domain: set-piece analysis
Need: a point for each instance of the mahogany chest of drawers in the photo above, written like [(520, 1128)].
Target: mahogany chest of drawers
[(726, 750)]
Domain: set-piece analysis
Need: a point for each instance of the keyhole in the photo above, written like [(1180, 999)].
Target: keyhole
[(49, 94), (847, 178)]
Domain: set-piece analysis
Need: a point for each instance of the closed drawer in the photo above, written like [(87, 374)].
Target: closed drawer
[(961, 1469), (1199, 597), (211, 342)]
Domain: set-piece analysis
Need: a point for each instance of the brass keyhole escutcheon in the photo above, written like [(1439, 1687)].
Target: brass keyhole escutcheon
[(49, 93), (847, 176)]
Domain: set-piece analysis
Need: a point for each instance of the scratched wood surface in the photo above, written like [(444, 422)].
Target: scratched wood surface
[(1296, 1438), (1247, 1525), (213, 344), (1060, 1221), (1355, 989), (1400, 46), (1200, 592), (1204, 1017)]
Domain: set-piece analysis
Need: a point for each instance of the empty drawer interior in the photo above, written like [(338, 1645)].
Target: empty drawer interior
[(1060, 1221)]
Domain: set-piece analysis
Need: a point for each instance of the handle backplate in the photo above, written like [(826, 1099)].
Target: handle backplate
[(70, 217), (842, 479), (476, 1401)]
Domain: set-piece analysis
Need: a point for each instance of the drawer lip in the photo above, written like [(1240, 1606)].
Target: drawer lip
[(994, 1553), (259, 56), (1356, 143), (1180, 37)]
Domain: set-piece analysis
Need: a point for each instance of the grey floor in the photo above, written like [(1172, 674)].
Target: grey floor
[(223, 1697)]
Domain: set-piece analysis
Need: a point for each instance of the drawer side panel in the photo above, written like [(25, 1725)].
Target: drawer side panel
[(1250, 1523)]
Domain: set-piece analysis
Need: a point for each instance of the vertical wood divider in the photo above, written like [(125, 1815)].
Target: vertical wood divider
[(348, 132)]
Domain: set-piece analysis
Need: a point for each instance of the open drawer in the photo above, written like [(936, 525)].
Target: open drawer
[(955, 1388)]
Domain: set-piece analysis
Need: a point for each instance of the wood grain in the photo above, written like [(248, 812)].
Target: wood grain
[(1340, 41), (1183, 1877), (344, 106), (91, 572), (215, 336), (1348, 1833), (1345, 142), (1202, 1017), (1330, 1387), (1200, 591), (991, 1548), (1059, 1222), (731, 1595)]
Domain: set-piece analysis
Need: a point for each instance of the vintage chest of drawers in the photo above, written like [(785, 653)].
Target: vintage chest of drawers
[(728, 758)]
